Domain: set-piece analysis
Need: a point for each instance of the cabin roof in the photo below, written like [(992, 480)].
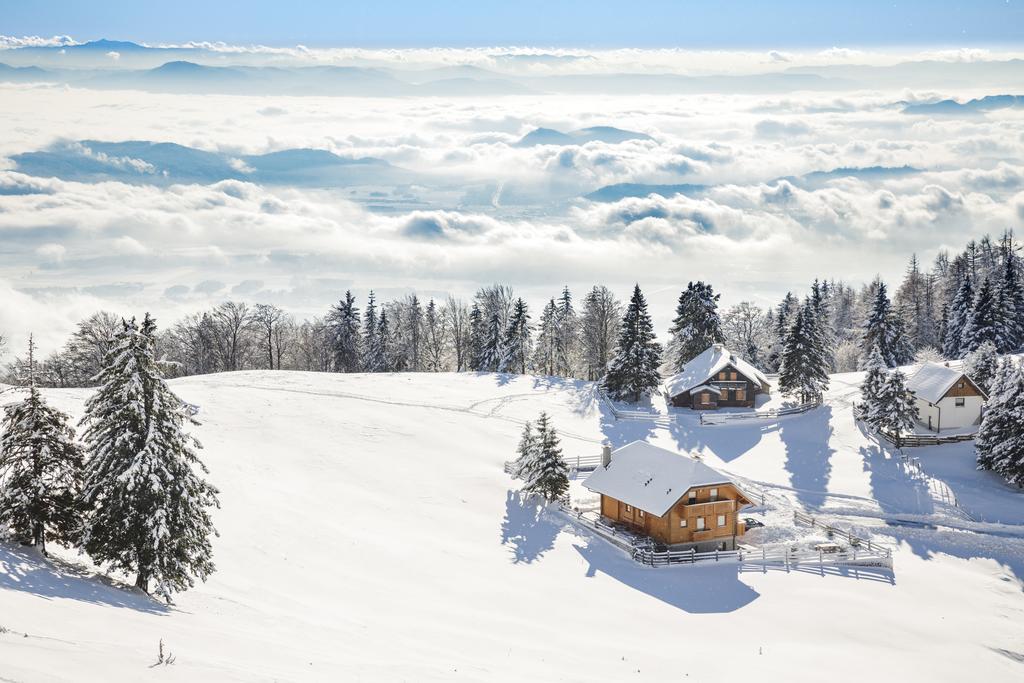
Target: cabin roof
[(650, 478), (706, 365), (933, 380), (706, 387)]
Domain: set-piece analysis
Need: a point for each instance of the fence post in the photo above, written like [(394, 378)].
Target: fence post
[(693, 555), (716, 554)]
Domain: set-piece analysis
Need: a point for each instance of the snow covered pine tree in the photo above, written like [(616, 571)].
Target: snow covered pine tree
[(345, 332), (804, 371), (525, 452), (895, 411), (40, 469), (872, 386), (695, 327), (148, 508), (1000, 441), (633, 371), (546, 473)]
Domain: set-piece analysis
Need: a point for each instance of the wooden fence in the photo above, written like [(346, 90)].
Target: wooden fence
[(578, 463), (860, 552), (765, 555), (854, 541), (915, 440), (713, 418)]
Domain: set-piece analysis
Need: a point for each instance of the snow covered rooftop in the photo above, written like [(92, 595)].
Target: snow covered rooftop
[(932, 381), (651, 478), (707, 365)]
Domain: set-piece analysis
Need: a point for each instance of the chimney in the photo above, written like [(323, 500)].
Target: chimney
[(606, 454)]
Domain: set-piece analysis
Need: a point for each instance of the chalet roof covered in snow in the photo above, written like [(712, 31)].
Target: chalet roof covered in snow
[(933, 380), (651, 478), (706, 365)]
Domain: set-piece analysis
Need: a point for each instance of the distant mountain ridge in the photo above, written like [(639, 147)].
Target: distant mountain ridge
[(550, 136), (971, 107), (141, 161)]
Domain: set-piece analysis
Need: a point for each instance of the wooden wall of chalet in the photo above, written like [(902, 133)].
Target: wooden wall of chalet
[(963, 387), (668, 529), (751, 389)]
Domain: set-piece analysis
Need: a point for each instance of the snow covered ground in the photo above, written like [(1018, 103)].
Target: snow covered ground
[(368, 532)]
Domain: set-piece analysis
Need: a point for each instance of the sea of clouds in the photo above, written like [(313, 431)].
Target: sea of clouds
[(469, 205)]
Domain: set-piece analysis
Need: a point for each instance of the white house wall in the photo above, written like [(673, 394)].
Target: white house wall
[(946, 415)]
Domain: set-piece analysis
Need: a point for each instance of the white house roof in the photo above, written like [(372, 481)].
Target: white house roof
[(651, 478), (707, 365), (932, 381), (706, 387)]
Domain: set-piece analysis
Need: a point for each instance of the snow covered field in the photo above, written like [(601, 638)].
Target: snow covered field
[(368, 532)]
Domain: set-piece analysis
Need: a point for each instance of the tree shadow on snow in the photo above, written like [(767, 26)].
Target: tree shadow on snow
[(24, 569), (806, 440), (891, 484), (707, 589), (526, 529), (727, 441), (927, 542)]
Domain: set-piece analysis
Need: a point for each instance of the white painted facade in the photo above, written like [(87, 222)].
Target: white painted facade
[(946, 414)]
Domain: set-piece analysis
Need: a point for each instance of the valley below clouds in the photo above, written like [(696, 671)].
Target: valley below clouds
[(131, 199)]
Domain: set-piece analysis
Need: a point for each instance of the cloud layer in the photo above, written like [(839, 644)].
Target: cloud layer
[(776, 190)]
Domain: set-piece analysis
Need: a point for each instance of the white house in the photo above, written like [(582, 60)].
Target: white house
[(946, 398)]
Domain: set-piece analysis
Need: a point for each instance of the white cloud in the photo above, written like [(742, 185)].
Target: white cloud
[(10, 42)]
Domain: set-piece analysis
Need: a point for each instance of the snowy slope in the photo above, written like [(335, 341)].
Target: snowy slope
[(368, 532)]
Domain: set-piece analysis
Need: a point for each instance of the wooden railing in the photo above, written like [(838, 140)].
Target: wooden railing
[(784, 555), (915, 440), (707, 418), (855, 541)]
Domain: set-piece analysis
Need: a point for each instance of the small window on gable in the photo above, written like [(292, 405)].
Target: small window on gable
[(714, 494), (641, 512), (959, 385), (693, 497), (629, 508), (682, 523), (960, 402), (732, 376)]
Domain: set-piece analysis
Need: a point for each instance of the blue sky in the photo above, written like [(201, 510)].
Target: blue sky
[(571, 23)]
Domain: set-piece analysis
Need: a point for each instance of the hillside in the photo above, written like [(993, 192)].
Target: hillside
[(368, 532)]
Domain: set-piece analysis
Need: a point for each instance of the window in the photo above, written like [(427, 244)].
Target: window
[(682, 524), (960, 402), (959, 385), (629, 508), (741, 394), (705, 397), (700, 524), (721, 520), (641, 512), (693, 498), (714, 494), (732, 376)]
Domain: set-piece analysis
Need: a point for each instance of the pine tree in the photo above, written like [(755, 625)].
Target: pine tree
[(804, 372), (567, 336), (379, 354), (345, 329), (895, 411), (369, 329), (477, 336), (544, 350), (40, 469), (958, 316), (148, 505), (695, 327), (872, 386), (525, 452), (546, 473), (1011, 298), (634, 369), (884, 329), (516, 347), (1000, 440), (492, 352), (982, 364), (982, 323)]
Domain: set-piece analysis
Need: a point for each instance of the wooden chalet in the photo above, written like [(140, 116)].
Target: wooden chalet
[(946, 398), (716, 378), (670, 497)]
